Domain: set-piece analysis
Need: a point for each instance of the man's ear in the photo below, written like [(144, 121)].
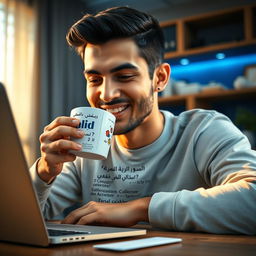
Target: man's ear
[(161, 77)]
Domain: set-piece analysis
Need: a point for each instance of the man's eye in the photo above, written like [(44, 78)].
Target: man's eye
[(125, 77), (94, 80)]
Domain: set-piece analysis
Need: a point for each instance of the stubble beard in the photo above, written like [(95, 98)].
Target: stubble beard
[(145, 107)]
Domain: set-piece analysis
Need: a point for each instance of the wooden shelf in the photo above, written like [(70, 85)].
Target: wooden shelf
[(200, 50), (205, 99), (195, 30)]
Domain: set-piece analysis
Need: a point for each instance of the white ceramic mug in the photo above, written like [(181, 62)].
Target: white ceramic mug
[(98, 126)]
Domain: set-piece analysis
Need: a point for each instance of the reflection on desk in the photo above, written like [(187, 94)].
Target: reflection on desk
[(193, 244)]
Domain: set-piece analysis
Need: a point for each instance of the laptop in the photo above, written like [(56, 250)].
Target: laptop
[(21, 219)]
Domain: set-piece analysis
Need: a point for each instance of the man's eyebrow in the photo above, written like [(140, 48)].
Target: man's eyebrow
[(91, 71), (115, 69), (123, 66)]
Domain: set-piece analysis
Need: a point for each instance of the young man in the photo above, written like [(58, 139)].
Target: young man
[(192, 172)]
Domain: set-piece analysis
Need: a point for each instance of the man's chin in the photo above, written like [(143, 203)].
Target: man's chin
[(122, 130), (128, 128)]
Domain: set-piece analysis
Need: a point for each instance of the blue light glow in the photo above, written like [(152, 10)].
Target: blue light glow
[(184, 61), (220, 56), (224, 71)]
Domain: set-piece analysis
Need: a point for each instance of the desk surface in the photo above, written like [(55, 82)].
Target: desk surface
[(193, 244)]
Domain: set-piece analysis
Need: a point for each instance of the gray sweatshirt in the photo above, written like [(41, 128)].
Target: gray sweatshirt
[(201, 174)]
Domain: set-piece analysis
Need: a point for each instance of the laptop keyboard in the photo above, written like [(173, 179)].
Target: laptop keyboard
[(57, 232)]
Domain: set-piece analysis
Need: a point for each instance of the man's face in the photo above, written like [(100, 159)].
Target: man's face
[(118, 81)]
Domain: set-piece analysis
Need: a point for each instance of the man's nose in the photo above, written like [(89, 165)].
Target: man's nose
[(108, 91)]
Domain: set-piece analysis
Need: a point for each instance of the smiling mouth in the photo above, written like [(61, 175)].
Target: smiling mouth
[(117, 110)]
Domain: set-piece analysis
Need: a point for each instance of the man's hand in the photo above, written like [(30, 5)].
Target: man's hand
[(107, 214), (55, 146)]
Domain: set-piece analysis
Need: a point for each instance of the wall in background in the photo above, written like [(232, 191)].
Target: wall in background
[(184, 8), (166, 9)]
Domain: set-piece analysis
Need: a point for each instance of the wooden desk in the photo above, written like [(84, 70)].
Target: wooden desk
[(193, 244)]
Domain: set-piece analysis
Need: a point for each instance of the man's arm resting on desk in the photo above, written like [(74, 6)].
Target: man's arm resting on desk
[(121, 214), (225, 209), (222, 209)]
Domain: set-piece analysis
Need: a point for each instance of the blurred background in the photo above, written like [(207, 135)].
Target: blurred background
[(209, 44)]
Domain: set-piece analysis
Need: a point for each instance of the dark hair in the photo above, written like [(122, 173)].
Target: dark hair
[(116, 23)]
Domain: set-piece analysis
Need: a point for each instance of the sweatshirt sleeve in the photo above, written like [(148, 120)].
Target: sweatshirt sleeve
[(227, 165), (41, 187), (55, 198)]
